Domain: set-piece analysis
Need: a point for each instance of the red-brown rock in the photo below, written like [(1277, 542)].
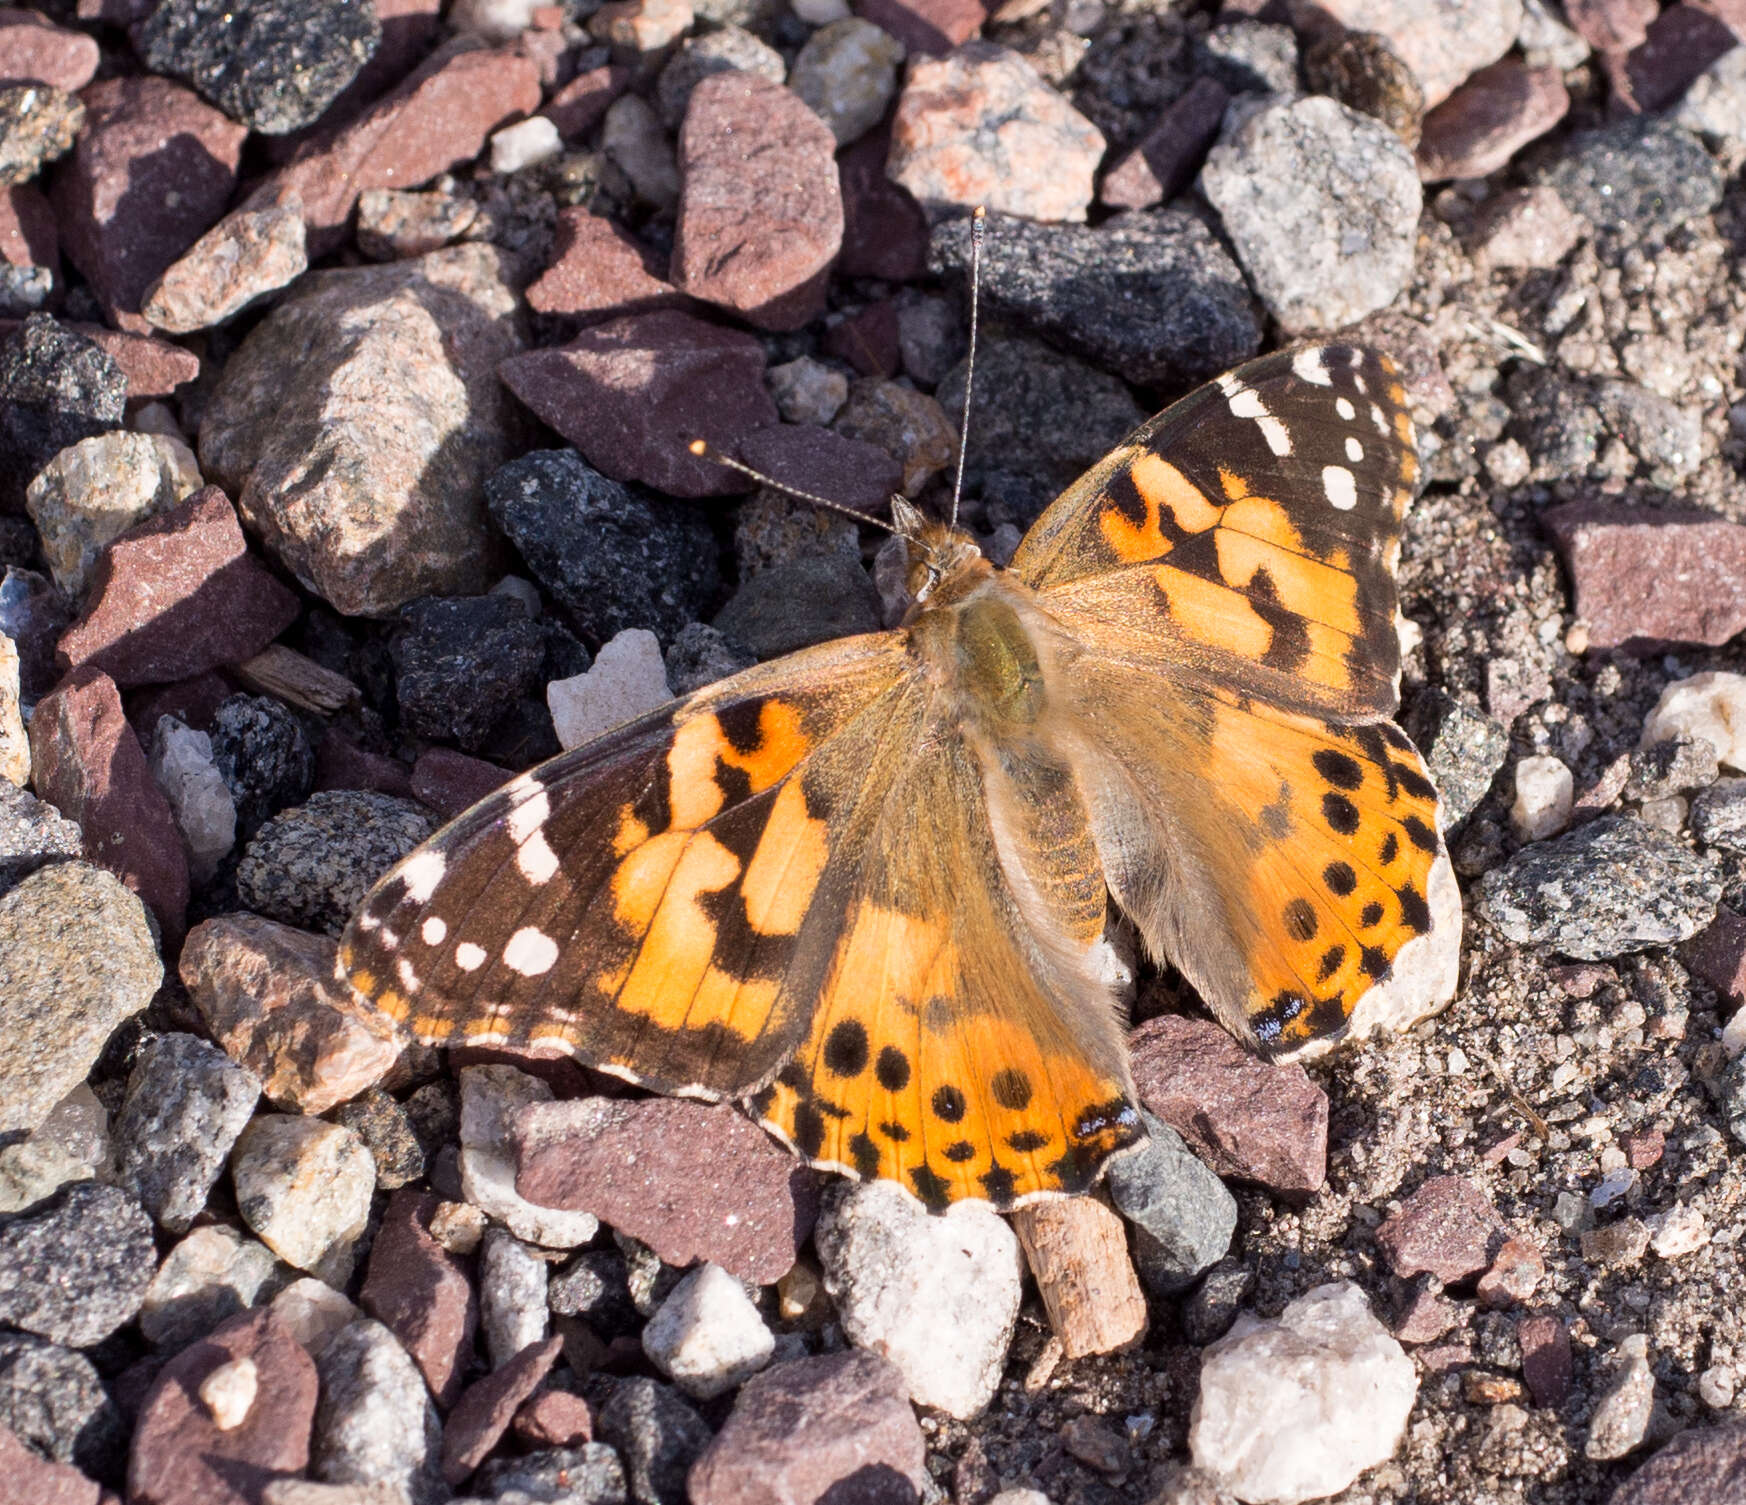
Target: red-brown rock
[(1673, 575), (420, 1292), (1701, 1466), (1243, 1116), (693, 1181), (1168, 156), (760, 208), (483, 1413), (1643, 1147), (88, 763), (578, 107), (868, 341), (1731, 13), (33, 50), (1717, 955), (598, 269), (633, 392), (1681, 43), (1546, 1365), (33, 1480), (555, 1419), (808, 458), (885, 233), (410, 28), (450, 781), (1446, 1227), (811, 1429), (929, 26), (27, 228), (341, 764), (176, 596), (1611, 25), (439, 118), (1515, 1274), (181, 1456), (1426, 1318), (193, 702), (153, 170), (1491, 117)]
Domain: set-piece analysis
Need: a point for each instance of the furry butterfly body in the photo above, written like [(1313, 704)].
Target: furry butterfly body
[(863, 889)]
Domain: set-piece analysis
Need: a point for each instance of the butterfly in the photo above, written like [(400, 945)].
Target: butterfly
[(863, 889)]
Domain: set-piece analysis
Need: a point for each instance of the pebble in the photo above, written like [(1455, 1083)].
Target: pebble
[(1700, 1466), (628, 679), (525, 144), (229, 1392), (847, 74), (725, 50), (43, 1481), (1153, 297), (375, 1423), (449, 782), (1715, 104), (1208, 1313), (14, 740), (631, 393), (1164, 161), (610, 555), (577, 107), (1442, 41), (1730, 1093), (1622, 1411), (980, 127), (1545, 791), (908, 425), (707, 1336), (586, 1475), (94, 491), (1247, 56), (885, 232), (1619, 1245), (1671, 767), (437, 119), (641, 26), (186, 1104), (634, 140), (77, 958), (304, 1186), (695, 1182), (1611, 25), (1325, 1361), (314, 1312), (56, 388), (395, 224), (1515, 1274), (1635, 177), (555, 1418), (512, 1296), (1362, 70), (486, 1407), (263, 755), (52, 1401), (1183, 1217), (1447, 1227), (154, 168), (1717, 955), (659, 1436), (388, 1132), (462, 664), (176, 595), (1323, 242), (38, 124), (938, 1296), (1488, 119), (1610, 887), (75, 1268), (1077, 1250), (801, 1428), (249, 254), (72, 1144), (34, 50), (207, 1278), (1546, 1362), (1526, 228), (853, 472), (311, 866), (1679, 1231), (183, 767), (1242, 1116), (930, 27), (597, 267), (180, 1451), (265, 992), (1711, 705), (276, 67), (492, 1098), (799, 602), (421, 1292)]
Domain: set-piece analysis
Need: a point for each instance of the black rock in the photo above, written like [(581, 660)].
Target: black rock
[(56, 388), (32, 834), (388, 1134), (74, 1268), (1613, 886), (596, 1285), (1249, 57), (1151, 295), (1182, 1214), (273, 65), (613, 556), (1666, 438), (1635, 177), (802, 601), (657, 1434), (52, 1400), (701, 655), (588, 1475), (461, 663), (264, 756), (1208, 1314)]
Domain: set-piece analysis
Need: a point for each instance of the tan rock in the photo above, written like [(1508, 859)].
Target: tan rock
[(1077, 1248)]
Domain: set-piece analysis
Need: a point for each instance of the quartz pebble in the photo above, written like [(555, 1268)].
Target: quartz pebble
[(491, 1097), (1711, 705), (314, 1312), (183, 766), (1545, 790), (628, 678), (250, 253), (707, 1336), (304, 1187), (208, 1277), (847, 74)]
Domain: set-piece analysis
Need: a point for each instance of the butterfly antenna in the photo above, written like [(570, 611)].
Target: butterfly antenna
[(705, 451), (977, 219)]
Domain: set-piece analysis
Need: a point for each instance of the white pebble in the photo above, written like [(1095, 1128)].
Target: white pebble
[(490, 1099), (1611, 1187), (314, 1311), (1544, 794), (629, 677), (523, 144), (304, 1187), (183, 767), (820, 12), (495, 20), (707, 1336), (1327, 1365), (228, 1393), (1679, 1230), (1711, 705)]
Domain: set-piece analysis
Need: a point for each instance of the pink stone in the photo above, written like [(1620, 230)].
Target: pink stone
[(153, 368), (420, 1292), (193, 702), (1491, 117), (1243, 1116), (1643, 1147), (633, 392), (88, 763), (578, 107), (926, 26), (341, 764), (1168, 156), (1731, 13), (1546, 1365), (33, 1480), (181, 1456), (1446, 1227), (808, 458), (598, 268), (760, 209), (1702, 1465), (1515, 1274), (1673, 575), (693, 1181), (153, 170), (555, 1419), (868, 340), (1718, 955), (483, 1413), (27, 228), (1611, 25), (885, 233), (178, 595), (450, 781), (1426, 1318), (33, 50), (439, 118), (1681, 43)]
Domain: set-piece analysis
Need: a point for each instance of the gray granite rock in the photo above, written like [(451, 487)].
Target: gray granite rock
[(1639, 176), (1182, 1215), (657, 1434), (76, 1267), (53, 1401), (375, 1423)]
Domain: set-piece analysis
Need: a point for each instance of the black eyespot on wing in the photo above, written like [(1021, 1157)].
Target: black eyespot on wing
[(1027, 1141), (1340, 878), (845, 1050), (1340, 813), (896, 1133), (959, 1151), (1332, 959), (1415, 783), (1389, 850), (809, 1130), (1011, 1089), (1370, 915), (997, 1182), (1300, 920), (1415, 913), (1372, 963), (1340, 769), (1421, 835), (948, 1104), (929, 1187), (891, 1070), (865, 1154)]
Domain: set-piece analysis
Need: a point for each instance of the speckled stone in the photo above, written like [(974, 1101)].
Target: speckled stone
[(657, 1433), (56, 388), (206, 1279), (38, 123), (75, 1268), (304, 1187), (52, 1400), (374, 1422)]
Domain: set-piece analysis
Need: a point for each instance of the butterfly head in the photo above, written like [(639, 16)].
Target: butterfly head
[(943, 560)]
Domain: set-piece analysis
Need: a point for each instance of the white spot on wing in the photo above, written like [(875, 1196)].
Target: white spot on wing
[(1311, 367), (530, 952), (1354, 450), (1343, 406), (408, 978), (1376, 418), (468, 957), (421, 873), (536, 859), (1340, 486), (1246, 403), (433, 931), (1278, 437)]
